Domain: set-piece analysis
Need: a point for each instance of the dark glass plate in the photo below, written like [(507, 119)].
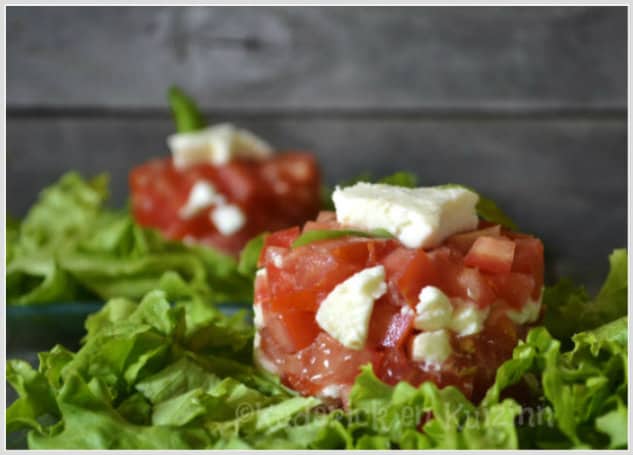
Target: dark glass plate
[(44, 325)]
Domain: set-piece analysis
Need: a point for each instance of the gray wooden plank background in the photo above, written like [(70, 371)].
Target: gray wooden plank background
[(309, 58), (526, 104)]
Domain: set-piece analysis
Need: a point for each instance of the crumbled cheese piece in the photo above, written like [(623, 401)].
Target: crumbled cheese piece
[(434, 310), (432, 348), (202, 195), (530, 311), (228, 218), (467, 318), (345, 312)]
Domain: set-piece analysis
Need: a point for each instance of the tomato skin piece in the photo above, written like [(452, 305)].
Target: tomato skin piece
[(356, 252), (261, 293), (491, 254), (326, 362), (326, 216), (310, 272), (410, 270), (395, 260), (463, 242), (389, 326), (283, 238), (277, 241), (419, 272), (513, 288), (301, 326), (475, 286), (529, 258)]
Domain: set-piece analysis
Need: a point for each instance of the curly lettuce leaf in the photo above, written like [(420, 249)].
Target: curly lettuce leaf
[(153, 374), (70, 247), (581, 391), (571, 310)]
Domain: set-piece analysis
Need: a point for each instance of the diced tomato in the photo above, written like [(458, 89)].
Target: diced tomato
[(379, 249), (294, 330), (528, 258), (326, 221), (388, 326), (419, 272), (276, 244), (411, 270), (326, 216), (356, 252), (463, 242), (459, 281), (310, 272), (326, 362), (396, 261), (261, 293), (474, 286), (282, 238), (491, 254), (513, 288)]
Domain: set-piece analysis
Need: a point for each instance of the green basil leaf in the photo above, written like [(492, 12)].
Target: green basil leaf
[(250, 255), (325, 234), (185, 111)]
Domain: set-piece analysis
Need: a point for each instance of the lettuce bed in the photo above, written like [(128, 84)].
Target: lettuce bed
[(173, 372), (70, 247)]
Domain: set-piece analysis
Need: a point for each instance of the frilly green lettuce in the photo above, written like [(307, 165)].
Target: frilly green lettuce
[(70, 247)]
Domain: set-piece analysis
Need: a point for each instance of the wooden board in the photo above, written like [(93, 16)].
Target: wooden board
[(310, 58)]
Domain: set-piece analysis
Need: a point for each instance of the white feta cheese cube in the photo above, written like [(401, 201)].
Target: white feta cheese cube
[(467, 318), (228, 218), (216, 144), (202, 195), (434, 310), (418, 217), (344, 314), (530, 311), (432, 348)]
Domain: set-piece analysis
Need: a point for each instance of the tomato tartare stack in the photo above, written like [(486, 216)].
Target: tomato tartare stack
[(222, 186), (407, 279)]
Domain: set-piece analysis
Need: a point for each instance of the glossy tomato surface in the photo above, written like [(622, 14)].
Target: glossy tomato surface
[(495, 270), (273, 194)]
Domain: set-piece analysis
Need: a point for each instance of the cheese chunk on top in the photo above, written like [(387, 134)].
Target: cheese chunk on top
[(418, 217), (216, 145), (344, 314)]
